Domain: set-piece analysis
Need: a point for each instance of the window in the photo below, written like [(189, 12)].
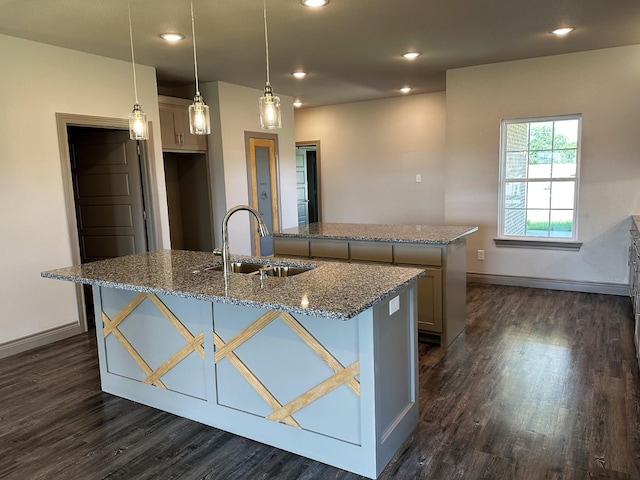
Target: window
[(539, 166)]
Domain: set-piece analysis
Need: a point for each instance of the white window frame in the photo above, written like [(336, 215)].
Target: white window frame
[(523, 241)]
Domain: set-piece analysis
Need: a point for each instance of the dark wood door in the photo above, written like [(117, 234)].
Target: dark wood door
[(107, 185)]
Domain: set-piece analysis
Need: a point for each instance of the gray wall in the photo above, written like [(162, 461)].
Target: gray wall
[(40, 81), (602, 85), (370, 153), (235, 111)]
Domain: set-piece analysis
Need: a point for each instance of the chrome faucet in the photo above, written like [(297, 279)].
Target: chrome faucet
[(262, 230)]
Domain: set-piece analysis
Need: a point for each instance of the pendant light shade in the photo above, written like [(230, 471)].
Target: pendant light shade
[(268, 104), (138, 125), (199, 118)]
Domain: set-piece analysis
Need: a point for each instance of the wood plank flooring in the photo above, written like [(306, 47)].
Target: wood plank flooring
[(540, 385)]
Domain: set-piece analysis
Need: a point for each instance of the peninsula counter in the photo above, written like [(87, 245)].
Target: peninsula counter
[(439, 249), (322, 364)]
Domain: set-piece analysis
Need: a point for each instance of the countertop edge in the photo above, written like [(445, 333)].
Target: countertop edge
[(235, 301), (370, 238)]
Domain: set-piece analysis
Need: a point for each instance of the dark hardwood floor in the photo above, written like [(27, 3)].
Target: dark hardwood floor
[(541, 384)]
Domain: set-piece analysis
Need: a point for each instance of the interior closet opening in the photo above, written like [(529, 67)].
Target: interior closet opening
[(189, 201)]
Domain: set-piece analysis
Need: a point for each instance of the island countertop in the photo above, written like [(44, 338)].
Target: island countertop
[(419, 234), (334, 290)]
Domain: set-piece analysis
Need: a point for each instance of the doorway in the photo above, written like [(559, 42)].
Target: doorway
[(262, 171), (107, 187), (109, 200), (109, 210), (308, 182), (188, 199)]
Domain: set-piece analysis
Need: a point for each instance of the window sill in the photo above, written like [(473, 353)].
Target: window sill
[(541, 244)]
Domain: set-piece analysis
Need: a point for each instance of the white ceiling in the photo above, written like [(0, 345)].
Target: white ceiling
[(351, 48)]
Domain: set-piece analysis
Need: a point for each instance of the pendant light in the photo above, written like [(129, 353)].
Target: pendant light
[(268, 104), (199, 119), (138, 125)]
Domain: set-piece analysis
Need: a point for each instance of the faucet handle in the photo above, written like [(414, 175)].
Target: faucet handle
[(217, 251)]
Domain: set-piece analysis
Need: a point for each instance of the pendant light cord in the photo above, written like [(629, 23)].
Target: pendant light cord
[(195, 60), (266, 37), (133, 58)]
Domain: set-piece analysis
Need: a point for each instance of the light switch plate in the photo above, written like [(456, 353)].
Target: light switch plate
[(394, 305)]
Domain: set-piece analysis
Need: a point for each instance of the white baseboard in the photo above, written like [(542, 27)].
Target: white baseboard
[(621, 289), (39, 339)]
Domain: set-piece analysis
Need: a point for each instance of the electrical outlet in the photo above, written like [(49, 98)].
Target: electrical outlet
[(394, 305), (480, 254), (418, 178)]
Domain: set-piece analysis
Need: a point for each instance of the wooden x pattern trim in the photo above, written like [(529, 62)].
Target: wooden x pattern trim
[(132, 351), (175, 359), (254, 381), (316, 392), (111, 325), (262, 321), (186, 334), (194, 343), (282, 413), (319, 349)]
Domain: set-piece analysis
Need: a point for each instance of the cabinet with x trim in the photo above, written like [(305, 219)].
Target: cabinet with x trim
[(341, 392)]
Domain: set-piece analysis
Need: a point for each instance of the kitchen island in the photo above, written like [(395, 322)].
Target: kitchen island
[(439, 249), (322, 363)]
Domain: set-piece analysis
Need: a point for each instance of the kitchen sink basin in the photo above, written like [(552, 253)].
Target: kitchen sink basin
[(249, 268), (237, 267), (283, 271)]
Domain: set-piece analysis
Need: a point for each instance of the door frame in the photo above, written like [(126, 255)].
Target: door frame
[(274, 173), (149, 190), (316, 143)]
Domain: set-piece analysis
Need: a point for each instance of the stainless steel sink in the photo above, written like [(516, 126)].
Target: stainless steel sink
[(283, 271), (237, 267), (250, 268)]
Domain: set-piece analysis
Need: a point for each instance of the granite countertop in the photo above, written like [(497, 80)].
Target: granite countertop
[(331, 289), (422, 234), (636, 221)]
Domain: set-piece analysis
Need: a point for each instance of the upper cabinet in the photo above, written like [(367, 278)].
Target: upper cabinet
[(174, 126)]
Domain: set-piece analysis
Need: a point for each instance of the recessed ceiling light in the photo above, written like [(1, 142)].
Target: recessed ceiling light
[(411, 55), (314, 3), (562, 31), (299, 74), (297, 103), (172, 37), (405, 89)]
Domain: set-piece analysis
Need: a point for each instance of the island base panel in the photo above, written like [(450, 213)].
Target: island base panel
[(340, 392)]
